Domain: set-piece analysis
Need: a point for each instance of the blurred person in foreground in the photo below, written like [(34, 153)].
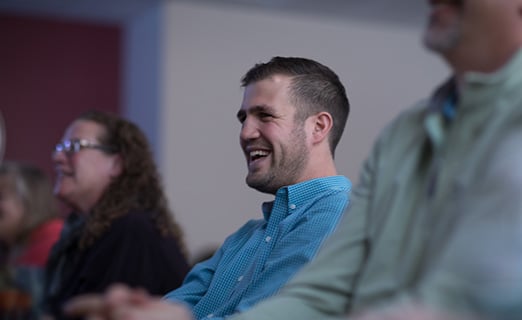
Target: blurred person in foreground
[(292, 116), (435, 226), (29, 227), (121, 229)]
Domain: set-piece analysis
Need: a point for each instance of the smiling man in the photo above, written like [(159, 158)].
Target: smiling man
[(288, 140), (293, 114)]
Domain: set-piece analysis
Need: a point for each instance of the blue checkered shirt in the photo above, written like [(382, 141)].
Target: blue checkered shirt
[(255, 261)]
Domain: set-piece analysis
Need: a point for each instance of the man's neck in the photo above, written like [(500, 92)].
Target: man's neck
[(462, 62)]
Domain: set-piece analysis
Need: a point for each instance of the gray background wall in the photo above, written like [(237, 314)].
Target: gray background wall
[(206, 51)]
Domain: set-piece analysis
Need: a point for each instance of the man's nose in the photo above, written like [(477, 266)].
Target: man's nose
[(249, 130)]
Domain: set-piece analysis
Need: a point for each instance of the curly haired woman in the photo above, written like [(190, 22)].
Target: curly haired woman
[(120, 229)]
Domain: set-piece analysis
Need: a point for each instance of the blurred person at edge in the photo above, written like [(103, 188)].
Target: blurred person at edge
[(121, 229), (292, 117), (29, 226)]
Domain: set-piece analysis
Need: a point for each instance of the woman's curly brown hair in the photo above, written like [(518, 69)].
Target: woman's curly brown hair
[(138, 187)]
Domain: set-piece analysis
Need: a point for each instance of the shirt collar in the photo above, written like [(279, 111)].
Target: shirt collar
[(297, 195)]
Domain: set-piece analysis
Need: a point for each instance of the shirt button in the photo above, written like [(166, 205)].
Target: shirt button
[(292, 206), (240, 278), (210, 315), (267, 239)]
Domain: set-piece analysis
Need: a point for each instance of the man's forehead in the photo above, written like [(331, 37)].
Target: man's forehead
[(266, 89)]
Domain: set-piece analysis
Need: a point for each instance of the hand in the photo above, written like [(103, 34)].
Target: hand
[(123, 303)]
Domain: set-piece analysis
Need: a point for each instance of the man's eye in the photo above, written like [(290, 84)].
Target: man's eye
[(265, 115)]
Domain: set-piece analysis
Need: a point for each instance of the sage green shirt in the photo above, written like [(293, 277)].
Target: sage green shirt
[(436, 218)]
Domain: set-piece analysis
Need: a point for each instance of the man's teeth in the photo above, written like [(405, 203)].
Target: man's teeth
[(258, 153)]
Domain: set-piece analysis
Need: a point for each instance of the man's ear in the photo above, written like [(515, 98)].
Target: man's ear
[(322, 124)]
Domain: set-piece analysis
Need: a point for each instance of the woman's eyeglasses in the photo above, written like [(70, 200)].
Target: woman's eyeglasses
[(75, 145)]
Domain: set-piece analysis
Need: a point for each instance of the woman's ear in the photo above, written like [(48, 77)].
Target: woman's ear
[(117, 166)]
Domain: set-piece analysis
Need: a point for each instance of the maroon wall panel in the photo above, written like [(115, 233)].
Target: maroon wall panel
[(50, 71)]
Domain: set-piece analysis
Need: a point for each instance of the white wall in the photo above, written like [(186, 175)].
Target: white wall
[(207, 50)]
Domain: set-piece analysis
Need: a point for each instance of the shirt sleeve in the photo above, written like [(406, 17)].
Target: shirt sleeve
[(196, 282), (200, 277)]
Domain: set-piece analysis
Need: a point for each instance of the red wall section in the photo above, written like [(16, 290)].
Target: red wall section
[(51, 71)]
